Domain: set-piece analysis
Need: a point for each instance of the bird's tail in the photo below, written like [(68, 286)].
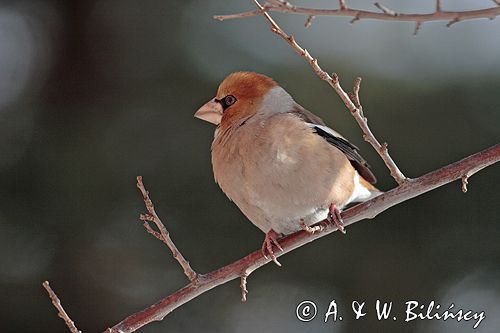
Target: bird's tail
[(372, 189)]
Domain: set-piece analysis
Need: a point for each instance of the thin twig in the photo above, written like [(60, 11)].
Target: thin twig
[(453, 21), (243, 286), (255, 260), (163, 235), (60, 310), (342, 5), (309, 20), (333, 81), (418, 25), (279, 2), (354, 19), (465, 182), (355, 95), (385, 10), (387, 15)]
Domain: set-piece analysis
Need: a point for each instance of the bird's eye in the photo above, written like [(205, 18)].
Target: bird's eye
[(229, 100), (226, 101)]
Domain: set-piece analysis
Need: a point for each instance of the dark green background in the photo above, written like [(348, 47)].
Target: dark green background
[(106, 91)]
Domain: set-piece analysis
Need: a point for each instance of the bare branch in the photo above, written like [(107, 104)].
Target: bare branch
[(385, 10), (356, 111), (438, 6), (386, 14), (60, 310), (163, 235), (309, 20), (453, 21), (354, 19), (255, 260), (279, 2), (150, 230), (243, 286), (418, 25), (342, 5), (355, 95), (465, 182)]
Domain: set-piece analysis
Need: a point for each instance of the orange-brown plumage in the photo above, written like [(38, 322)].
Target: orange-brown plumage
[(250, 88), (248, 85)]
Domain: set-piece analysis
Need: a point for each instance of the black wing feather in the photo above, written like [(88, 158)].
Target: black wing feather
[(351, 152)]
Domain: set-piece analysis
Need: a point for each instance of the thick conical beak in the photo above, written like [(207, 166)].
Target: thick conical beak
[(211, 112)]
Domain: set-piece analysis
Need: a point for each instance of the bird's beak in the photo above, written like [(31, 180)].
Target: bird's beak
[(211, 112)]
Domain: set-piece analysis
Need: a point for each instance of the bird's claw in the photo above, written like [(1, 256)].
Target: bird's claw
[(335, 218), (270, 240)]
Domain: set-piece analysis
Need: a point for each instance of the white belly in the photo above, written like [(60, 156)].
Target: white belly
[(288, 226)]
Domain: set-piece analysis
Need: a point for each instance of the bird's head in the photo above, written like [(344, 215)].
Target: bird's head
[(242, 95)]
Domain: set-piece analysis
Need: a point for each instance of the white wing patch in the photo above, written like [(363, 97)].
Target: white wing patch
[(326, 129), (361, 193)]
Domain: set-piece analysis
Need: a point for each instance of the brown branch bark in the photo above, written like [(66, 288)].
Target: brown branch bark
[(386, 14), (367, 210)]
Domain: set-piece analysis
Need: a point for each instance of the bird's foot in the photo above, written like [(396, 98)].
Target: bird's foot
[(317, 228), (270, 240), (335, 218)]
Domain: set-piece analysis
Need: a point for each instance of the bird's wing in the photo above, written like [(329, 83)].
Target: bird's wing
[(307, 116), (338, 141)]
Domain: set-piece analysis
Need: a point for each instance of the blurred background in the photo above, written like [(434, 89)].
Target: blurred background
[(94, 93)]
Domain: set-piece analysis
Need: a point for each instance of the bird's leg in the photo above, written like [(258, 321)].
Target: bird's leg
[(335, 218), (270, 240), (317, 228)]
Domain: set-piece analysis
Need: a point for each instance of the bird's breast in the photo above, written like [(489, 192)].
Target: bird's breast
[(281, 172)]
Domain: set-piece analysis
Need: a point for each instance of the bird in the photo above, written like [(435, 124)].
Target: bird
[(283, 167)]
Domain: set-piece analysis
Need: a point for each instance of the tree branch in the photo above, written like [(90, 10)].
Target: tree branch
[(367, 210), (243, 287), (163, 235), (342, 5), (385, 10), (60, 310), (438, 6), (386, 14), (351, 102)]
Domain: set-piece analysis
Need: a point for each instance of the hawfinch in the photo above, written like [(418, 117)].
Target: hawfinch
[(279, 163)]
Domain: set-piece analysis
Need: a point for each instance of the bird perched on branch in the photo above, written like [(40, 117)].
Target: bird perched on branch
[(279, 163)]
